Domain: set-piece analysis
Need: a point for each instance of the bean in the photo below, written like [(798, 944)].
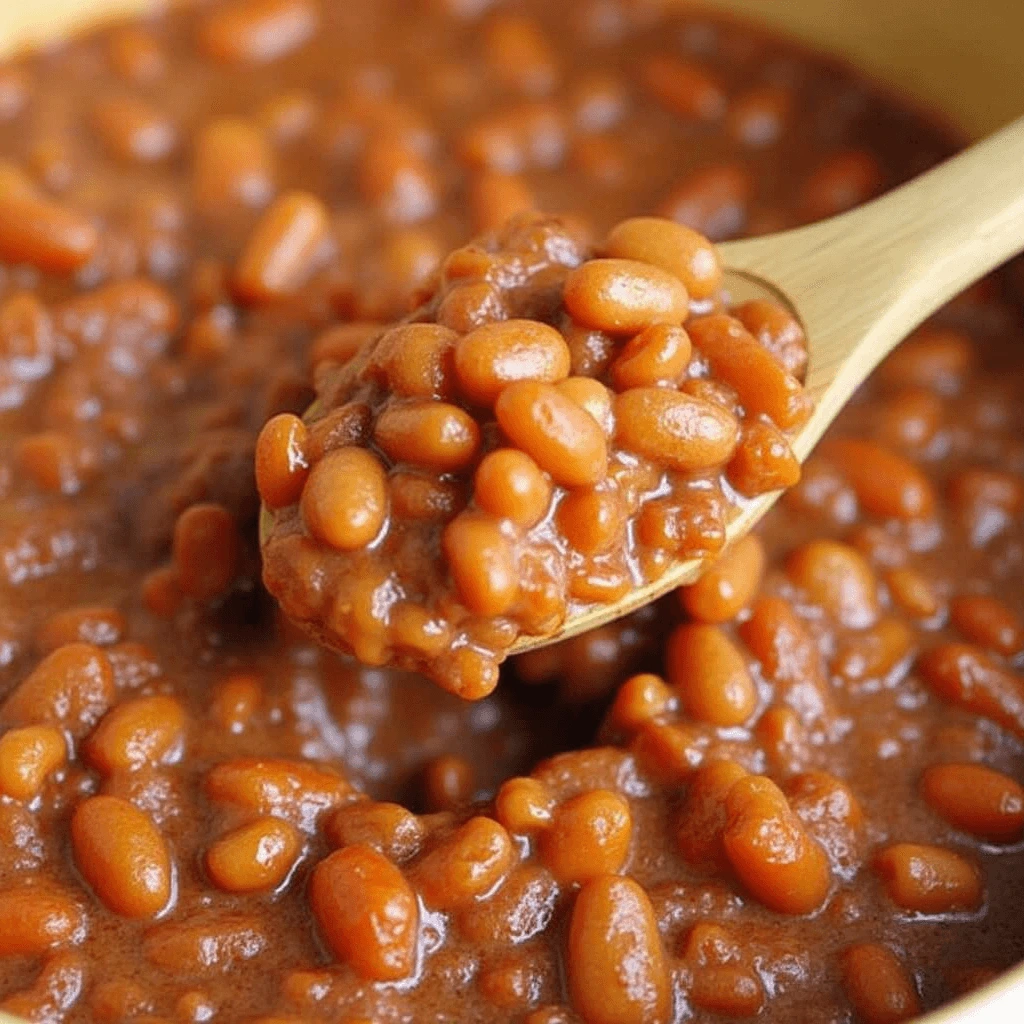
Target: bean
[(47, 235), (206, 550), (523, 805), (435, 435), (701, 825), (712, 200), (986, 501), (518, 54), (729, 584), (466, 864), (255, 857), (887, 485), (929, 879), (763, 460), (593, 397), (673, 247), (615, 961), (966, 676), (71, 688), (710, 675), (388, 828), (763, 385), (640, 699), (482, 564), (674, 429), (722, 982), (624, 296), (842, 181), (520, 910), (563, 439), (344, 500), (417, 360), (837, 577), (280, 254), (770, 850), (589, 836), (510, 485), (28, 757), (934, 358), (257, 31), (975, 799), (37, 916), (209, 942), (778, 331), (91, 624), (136, 733), (496, 198), (233, 167), (449, 783), (988, 622), (656, 356), (684, 87), (878, 985), (281, 465), (122, 856)]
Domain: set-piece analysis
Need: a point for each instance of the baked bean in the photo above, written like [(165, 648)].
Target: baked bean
[(673, 429), (832, 815), (344, 501), (975, 799), (281, 466), (528, 136), (986, 621), (136, 55), (873, 653), (712, 200), (28, 757), (561, 437), (594, 397), (91, 624), (281, 252), (589, 836), (684, 87), (417, 360), (133, 130), (510, 485), (673, 247), (44, 234), (257, 31), (346, 426), (728, 585), (693, 526), (656, 356), (762, 384), (615, 963), (624, 296), (519, 56), (468, 863), (986, 501), (838, 578), (759, 116), (388, 828), (233, 166), (427, 433), (777, 330), (910, 419), (912, 592), (421, 496), (966, 676), (934, 358), (493, 356), (482, 563), (205, 551), (770, 850), (206, 943), (296, 791), (57, 988), (887, 485), (721, 981), (470, 306), (397, 180), (448, 783), (710, 675), (703, 819), (71, 688), (38, 916), (136, 733), (784, 739), (591, 520), (844, 180), (122, 856), (496, 198), (763, 460), (255, 857), (929, 879), (235, 701), (878, 986), (640, 699), (523, 805)]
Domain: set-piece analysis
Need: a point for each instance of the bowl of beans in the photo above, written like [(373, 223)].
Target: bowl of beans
[(343, 344)]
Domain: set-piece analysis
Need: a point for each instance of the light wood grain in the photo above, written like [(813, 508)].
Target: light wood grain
[(860, 283)]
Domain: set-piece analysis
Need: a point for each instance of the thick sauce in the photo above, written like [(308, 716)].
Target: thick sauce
[(812, 811)]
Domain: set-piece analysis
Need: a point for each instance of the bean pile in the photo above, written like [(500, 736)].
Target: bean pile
[(791, 791)]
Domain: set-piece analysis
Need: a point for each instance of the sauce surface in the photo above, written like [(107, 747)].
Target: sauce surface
[(791, 790)]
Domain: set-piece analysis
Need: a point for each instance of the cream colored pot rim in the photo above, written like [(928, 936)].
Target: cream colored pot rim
[(37, 22)]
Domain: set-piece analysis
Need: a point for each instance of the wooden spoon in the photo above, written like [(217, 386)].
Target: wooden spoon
[(860, 283)]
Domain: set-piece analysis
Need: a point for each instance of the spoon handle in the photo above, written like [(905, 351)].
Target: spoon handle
[(867, 278)]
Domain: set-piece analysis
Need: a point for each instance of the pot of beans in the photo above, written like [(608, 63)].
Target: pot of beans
[(341, 344)]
